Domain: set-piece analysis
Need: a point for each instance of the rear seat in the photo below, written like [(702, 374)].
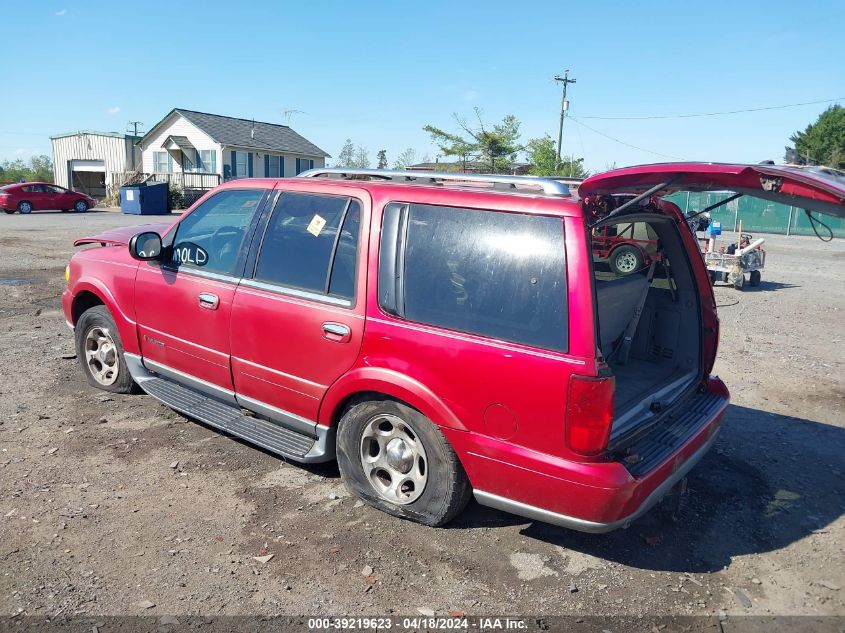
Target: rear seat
[(617, 300)]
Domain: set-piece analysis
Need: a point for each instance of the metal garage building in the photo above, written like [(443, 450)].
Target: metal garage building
[(85, 161)]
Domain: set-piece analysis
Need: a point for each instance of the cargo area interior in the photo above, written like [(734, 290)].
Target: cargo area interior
[(663, 358)]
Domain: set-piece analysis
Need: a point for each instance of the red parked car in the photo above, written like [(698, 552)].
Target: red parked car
[(27, 197), (439, 336)]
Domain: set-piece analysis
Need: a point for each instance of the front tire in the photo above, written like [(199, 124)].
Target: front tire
[(626, 260), (398, 461), (100, 352), (25, 207), (80, 206), (754, 278)]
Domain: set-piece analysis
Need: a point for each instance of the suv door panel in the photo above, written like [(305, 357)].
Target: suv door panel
[(290, 344), (184, 308), (185, 336)]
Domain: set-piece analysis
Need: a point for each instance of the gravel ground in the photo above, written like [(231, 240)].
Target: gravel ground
[(117, 505)]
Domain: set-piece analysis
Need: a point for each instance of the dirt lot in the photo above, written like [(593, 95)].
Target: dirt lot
[(95, 518)]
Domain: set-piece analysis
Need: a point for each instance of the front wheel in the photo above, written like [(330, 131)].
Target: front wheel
[(100, 352), (80, 206), (398, 461), (626, 260), (754, 278), (25, 207)]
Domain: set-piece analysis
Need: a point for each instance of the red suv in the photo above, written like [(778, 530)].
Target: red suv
[(440, 335), (26, 197)]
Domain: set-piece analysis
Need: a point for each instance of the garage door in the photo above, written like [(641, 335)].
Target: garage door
[(88, 176)]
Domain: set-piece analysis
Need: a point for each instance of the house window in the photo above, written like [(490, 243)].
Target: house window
[(162, 163), (274, 166), (207, 161), (303, 164), (240, 165)]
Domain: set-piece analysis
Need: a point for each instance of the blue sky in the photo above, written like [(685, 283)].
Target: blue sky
[(376, 72)]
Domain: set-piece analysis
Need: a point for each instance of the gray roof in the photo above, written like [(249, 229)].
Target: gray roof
[(238, 133)]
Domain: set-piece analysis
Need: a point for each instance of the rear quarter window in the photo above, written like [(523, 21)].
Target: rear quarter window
[(495, 274)]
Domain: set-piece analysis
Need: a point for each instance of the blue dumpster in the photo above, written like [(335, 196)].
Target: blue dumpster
[(144, 199)]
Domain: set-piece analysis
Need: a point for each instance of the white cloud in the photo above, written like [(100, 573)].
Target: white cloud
[(61, 13), (113, 110)]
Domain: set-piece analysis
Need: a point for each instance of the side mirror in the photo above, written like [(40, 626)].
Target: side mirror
[(145, 246)]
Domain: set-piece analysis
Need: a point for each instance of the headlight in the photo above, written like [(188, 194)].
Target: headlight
[(67, 273)]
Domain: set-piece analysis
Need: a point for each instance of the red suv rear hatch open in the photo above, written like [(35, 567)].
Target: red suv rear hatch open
[(813, 188)]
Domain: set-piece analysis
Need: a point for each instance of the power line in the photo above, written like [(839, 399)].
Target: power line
[(616, 140), (705, 114)]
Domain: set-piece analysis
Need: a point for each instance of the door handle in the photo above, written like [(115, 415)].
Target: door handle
[(208, 301), (337, 332)]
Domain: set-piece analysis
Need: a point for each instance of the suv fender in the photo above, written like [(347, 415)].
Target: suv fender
[(389, 383), (125, 325)]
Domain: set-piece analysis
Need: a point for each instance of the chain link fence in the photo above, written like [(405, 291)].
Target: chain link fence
[(756, 214)]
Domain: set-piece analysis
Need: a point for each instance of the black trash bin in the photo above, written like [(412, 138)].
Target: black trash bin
[(144, 199)]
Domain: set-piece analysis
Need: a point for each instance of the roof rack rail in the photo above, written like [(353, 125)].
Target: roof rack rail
[(550, 187)]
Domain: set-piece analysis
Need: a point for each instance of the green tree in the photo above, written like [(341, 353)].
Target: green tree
[(405, 159), (382, 159), (823, 141), (41, 168), (495, 147), (38, 168), (542, 156)]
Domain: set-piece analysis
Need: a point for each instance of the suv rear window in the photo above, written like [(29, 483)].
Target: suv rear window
[(495, 274)]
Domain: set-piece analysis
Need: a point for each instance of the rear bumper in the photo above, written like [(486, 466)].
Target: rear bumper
[(590, 497), (596, 527)]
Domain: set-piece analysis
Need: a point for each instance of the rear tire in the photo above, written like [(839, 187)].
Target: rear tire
[(25, 207), (9, 211), (626, 260), (739, 281), (398, 461), (754, 278), (100, 352)]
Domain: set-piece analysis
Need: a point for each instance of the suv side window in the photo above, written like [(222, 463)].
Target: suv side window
[(211, 237), (495, 274), (311, 243)]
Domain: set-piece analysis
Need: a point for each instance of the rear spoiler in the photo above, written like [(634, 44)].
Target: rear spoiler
[(121, 236), (102, 240)]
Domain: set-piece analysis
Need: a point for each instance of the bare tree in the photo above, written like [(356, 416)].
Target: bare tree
[(405, 159)]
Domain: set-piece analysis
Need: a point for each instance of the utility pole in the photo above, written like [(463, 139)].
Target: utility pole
[(134, 125), (564, 106)]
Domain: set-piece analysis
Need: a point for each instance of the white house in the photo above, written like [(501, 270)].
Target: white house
[(89, 161), (198, 150)]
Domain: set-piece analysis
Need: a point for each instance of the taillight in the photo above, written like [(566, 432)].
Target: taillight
[(589, 413)]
